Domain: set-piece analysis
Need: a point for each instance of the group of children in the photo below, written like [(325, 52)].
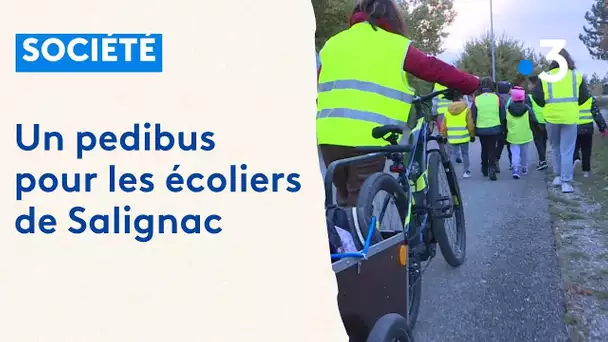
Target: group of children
[(504, 115)]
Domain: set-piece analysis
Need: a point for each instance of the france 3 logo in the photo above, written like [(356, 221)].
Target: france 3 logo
[(526, 66), (88, 53)]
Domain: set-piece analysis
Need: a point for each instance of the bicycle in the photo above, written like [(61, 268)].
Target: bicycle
[(419, 200)]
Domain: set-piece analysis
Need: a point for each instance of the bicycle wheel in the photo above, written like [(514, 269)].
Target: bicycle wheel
[(444, 197), (377, 183), (383, 182)]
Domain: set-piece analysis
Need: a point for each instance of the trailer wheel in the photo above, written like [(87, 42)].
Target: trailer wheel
[(390, 328)]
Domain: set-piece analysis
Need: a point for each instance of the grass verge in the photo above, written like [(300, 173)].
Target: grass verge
[(580, 222)]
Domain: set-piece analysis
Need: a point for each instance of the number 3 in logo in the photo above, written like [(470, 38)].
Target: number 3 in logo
[(556, 46)]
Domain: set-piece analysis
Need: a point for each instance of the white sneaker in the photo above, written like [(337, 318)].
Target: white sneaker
[(466, 174), (576, 162), (557, 181), (567, 188), (586, 174)]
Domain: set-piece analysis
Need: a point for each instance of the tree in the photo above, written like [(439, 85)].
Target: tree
[(595, 79), (595, 36), (477, 57), (331, 17), (426, 21)]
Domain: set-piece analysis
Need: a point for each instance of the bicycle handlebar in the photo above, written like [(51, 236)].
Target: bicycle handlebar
[(450, 94)]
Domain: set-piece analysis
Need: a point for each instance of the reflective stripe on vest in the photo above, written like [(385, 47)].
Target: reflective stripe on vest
[(488, 111), (518, 129), (442, 104), (457, 127), (362, 89), (584, 113), (562, 99), (538, 111)]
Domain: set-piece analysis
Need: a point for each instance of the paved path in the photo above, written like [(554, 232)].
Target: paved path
[(507, 289)]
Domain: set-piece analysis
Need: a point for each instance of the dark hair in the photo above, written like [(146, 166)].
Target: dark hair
[(520, 81), (487, 83), (533, 79), (386, 10), (564, 53)]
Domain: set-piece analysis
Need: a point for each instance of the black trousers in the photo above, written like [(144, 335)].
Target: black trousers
[(489, 150), (540, 140), (583, 145), (502, 142)]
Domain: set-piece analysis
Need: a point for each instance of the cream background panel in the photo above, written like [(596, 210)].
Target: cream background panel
[(242, 69)]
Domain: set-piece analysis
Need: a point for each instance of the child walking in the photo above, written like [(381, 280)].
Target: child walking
[(588, 112), (503, 89), (540, 135), (520, 122), (488, 112), (459, 129)]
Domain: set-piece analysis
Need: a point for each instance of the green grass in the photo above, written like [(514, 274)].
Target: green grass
[(600, 294), (578, 255), (569, 320), (563, 200), (595, 188)]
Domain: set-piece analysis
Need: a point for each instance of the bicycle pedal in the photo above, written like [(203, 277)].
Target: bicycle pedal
[(443, 211)]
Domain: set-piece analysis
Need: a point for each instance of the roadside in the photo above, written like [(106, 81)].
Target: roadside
[(580, 222)]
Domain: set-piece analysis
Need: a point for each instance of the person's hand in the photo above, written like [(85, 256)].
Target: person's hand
[(603, 133), (451, 94), (472, 139)]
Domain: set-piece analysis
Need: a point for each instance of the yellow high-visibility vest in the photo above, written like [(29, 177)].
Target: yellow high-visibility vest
[(442, 103), (561, 98), (362, 85), (456, 125), (488, 110), (584, 112)]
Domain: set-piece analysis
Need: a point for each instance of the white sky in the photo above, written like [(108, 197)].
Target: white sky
[(525, 20)]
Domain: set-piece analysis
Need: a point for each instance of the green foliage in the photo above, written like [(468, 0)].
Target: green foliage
[(477, 57), (426, 20), (332, 17), (594, 79), (595, 36)]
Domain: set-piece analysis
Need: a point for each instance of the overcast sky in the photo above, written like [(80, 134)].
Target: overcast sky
[(526, 20)]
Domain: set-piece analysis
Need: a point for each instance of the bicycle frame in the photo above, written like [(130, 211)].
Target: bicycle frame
[(418, 138)]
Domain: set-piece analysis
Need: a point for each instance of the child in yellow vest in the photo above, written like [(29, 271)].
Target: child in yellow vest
[(459, 128), (520, 123)]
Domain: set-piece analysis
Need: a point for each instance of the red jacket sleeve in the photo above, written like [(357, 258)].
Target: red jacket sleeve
[(434, 70)]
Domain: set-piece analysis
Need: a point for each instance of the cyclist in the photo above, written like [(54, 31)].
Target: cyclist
[(560, 102), (362, 85)]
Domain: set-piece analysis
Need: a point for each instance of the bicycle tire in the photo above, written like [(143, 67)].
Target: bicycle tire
[(438, 164), (390, 327), (377, 182)]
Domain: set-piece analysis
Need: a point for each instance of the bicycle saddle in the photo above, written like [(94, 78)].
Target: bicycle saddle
[(381, 131)]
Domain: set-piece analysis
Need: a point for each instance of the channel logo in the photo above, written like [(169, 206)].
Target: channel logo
[(525, 66), (88, 52)]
